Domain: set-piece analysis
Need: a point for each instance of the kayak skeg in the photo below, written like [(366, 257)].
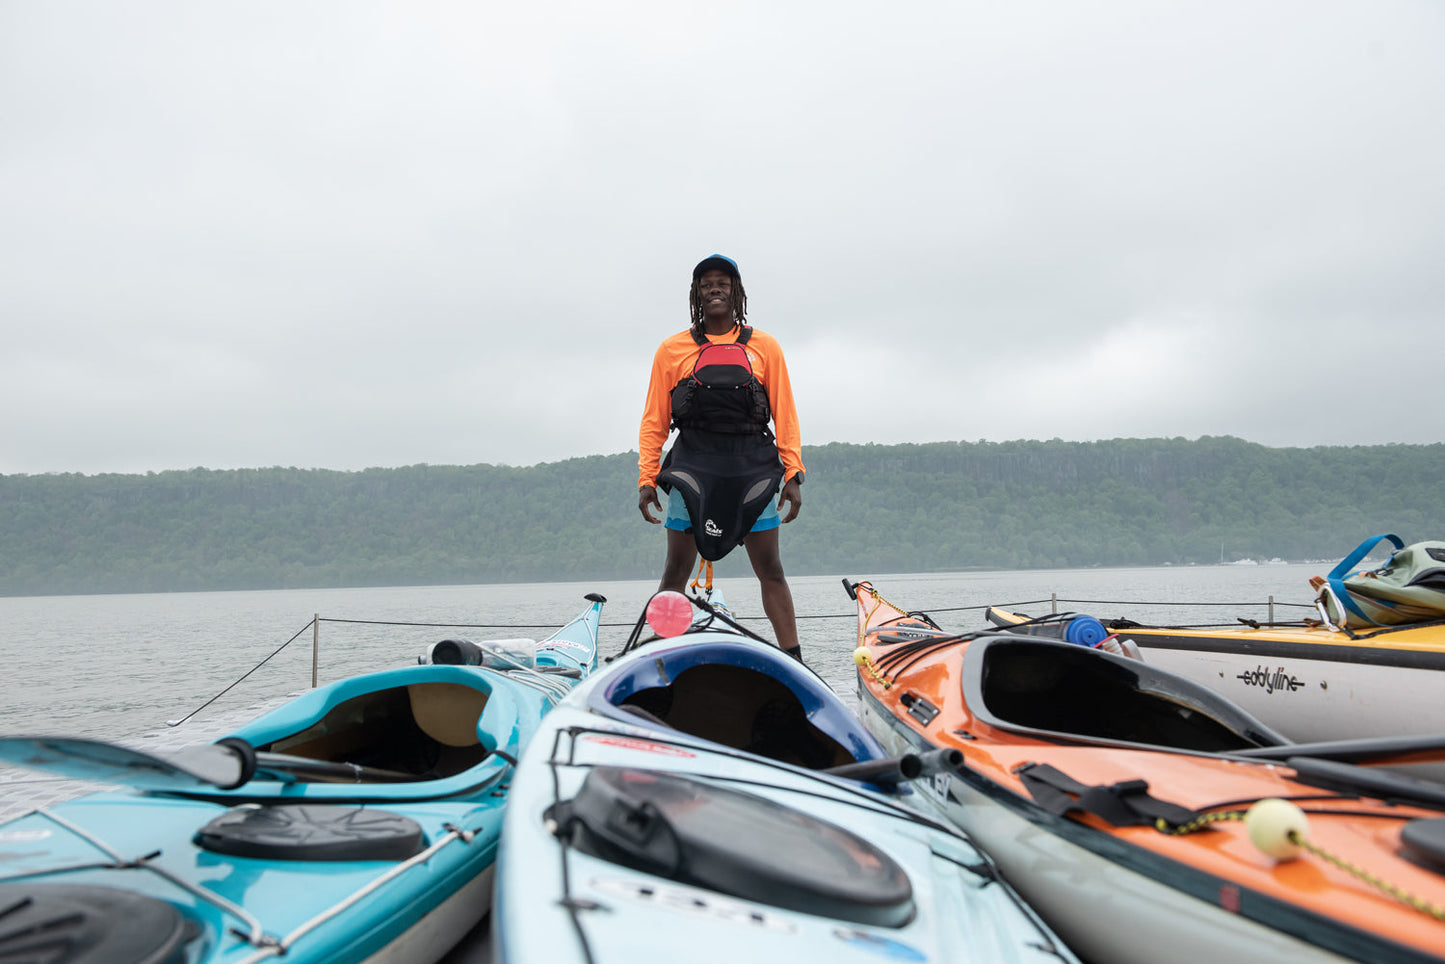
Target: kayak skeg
[(1145, 816), (358, 822), (707, 797)]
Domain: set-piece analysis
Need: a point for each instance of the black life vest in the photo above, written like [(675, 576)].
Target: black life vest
[(722, 394), (725, 462)]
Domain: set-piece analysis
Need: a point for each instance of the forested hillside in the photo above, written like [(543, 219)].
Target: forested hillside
[(868, 509)]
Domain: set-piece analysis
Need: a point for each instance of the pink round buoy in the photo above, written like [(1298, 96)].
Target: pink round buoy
[(669, 613)]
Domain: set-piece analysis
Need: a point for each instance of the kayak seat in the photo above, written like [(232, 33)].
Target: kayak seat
[(741, 708), (447, 712), (426, 729)]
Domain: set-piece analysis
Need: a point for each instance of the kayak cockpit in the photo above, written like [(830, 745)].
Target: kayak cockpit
[(425, 722), (743, 696), (1062, 691), (741, 708), (426, 729)]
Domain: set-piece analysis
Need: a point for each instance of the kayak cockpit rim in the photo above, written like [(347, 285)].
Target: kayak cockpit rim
[(740, 694), (1056, 691), (450, 730)]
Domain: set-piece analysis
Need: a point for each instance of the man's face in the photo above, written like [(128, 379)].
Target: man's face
[(715, 291)]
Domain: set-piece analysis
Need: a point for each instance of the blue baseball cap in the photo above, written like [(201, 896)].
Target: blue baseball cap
[(717, 262)]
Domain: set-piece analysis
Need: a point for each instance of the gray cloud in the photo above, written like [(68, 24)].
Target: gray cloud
[(372, 234)]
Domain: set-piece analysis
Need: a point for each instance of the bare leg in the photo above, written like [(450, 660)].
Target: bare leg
[(777, 597), (681, 554)]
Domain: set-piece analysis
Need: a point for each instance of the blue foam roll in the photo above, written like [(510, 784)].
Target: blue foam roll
[(1085, 630)]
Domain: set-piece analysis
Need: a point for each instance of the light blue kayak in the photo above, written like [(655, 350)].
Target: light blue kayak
[(358, 822), (708, 798)]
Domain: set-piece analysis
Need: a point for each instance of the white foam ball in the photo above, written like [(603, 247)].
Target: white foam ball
[(1273, 824)]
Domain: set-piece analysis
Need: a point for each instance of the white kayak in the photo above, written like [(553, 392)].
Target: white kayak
[(708, 798)]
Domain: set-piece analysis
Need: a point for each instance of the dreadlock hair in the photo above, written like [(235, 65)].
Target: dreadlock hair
[(739, 297)]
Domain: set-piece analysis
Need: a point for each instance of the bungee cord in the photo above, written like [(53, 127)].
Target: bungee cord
[(1280, 830)]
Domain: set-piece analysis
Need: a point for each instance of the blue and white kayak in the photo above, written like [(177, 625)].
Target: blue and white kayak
[(358, 822), (708, 798)]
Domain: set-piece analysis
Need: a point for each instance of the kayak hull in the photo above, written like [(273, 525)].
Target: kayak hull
[(313, 871)]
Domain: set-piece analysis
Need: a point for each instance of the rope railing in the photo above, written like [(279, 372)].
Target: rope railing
[(1172, 605), (314, 624), (389, 622), (1270, 605), (248, 673)]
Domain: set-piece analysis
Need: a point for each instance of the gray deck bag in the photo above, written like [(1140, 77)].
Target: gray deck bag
[(1408, 588)]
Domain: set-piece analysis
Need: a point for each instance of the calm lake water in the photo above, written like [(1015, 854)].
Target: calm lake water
[(122, 665)]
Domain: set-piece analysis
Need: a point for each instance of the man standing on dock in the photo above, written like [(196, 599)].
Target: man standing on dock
[(720, 383)]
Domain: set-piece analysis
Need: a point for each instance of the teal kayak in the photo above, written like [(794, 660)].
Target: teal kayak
[(705, 797), (358, 822)]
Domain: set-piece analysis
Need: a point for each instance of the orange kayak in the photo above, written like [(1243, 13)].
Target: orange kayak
[(1148, 818)]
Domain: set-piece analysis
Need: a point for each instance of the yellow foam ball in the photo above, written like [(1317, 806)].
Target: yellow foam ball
[(860, 655), (1272, 824)]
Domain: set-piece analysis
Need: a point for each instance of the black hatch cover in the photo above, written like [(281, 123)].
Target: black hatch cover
[(77, 924), (734, 843), (312, 832)]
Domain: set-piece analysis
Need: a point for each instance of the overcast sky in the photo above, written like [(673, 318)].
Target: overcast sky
[(342, 235)]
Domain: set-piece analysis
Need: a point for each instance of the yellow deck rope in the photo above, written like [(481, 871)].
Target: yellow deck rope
[(870, 610), (865, 663), (1201, 822), (861, 655), (1400, 894), (1374, 880)]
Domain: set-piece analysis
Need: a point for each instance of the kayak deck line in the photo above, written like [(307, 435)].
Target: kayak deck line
[(837, 784), (253, 931), (284, 944)]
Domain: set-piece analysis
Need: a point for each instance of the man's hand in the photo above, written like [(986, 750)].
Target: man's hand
[(792, 496), (647, 501)]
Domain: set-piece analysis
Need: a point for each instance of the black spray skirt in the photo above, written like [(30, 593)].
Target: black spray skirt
[(726, 481)]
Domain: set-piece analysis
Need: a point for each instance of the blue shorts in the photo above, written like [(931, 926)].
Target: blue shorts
[(678, 519)]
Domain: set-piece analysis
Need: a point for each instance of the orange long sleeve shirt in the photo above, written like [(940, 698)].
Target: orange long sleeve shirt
[(674, 361)]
